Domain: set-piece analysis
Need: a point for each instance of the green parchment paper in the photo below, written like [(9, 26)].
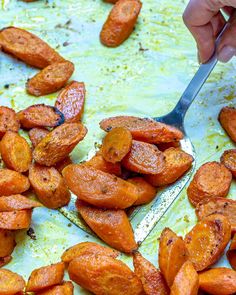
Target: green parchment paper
[(144, 77)]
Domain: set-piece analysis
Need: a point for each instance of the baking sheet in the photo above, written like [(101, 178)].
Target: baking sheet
[(144, 77)]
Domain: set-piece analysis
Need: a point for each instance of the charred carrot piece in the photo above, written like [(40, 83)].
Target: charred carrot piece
[(17, 202), (7, 242), (231, 253), (229, 160), (227, 118), (15, 220), (37, 134), (8, 121), (10, 282), (66, 288)]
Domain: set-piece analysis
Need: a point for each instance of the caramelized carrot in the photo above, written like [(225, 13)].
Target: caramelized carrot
[(45, 277), (144, 158), (229, 160), (112, 226), (17, 202), (12, 182), (5, 260), (40, 115), (37, 134), (151, 278), (231, 253), (87, 248), (10, 282), (49, 186), (15, 220), (177, 162), (206, 242), (8, 120), (143, 129), (15, 152), (99, 188), (62, 164), (166, 145), (66, 288), (104, 275), (59, 143), (7, 243), (227, 118), (70, 101)]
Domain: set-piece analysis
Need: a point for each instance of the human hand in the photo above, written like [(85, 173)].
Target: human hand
[(205, 21)]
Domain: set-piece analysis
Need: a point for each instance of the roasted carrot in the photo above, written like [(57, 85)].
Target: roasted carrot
[(151, 278), (218, 281), (120, 22), (5, 260), (12, 182), (226, 207), (144, 158), (8, 120), (49, 186), (186, 281), (37, 134), (116, 144), (211, 180), (70, 101), (172, 255), (62, 164), (66, 288), (229, 160), (166, 145), (112, 226), (231, 253), (7, 243), (143, 129), (40, 115), (99, 188), (104, 275), (17, 202), (28, 47), (14, 220), (177, 162), (10, 282), (58, 144), (50, 79), (207, 240), (87, 248), (45, 277), (146, 192), (15, 152), (227, 118)]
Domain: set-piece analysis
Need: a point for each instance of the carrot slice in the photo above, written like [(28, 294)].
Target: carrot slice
[(15, 152), (116, 144), (50, 79), (17, 202), (211, 180), (8, 121), (226, 207), (28, 47), (172, 255), (70, 101), (10, 282), (112, 226), (144, 158), (5, 260), (151, 278), (177, 162), (227, 118), (59, 143), (66, 288), (207, 240), (120, 22), (87, 248), (45, 277), (104, 275), (231, 253), (12, 182), (98, 162), (40, 115), (229, 160), (99, 188), (62, 164), (49, 186), (218, 281), (166, 145), (37, 134), (143, 129), (15, 220), (186, 281), (146, 192), (7, 242)]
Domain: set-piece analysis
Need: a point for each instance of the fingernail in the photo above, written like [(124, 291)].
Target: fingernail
[(226, 53)]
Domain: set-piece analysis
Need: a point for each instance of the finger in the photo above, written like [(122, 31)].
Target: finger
[(218, 22), (228, 10)]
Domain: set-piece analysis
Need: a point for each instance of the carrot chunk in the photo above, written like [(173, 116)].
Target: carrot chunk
[(99, 188), (36, 135), (207, 240), (59, 143), (49, 186), (17, 202), (112, 226), (5, 260), (70, 101), (10, 282), (8, 121), (7, 242), (231, 253), (62, 164), (143, 129), (227, 118), (66, 288), (229, 160), (15, 152), (15, 220)]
